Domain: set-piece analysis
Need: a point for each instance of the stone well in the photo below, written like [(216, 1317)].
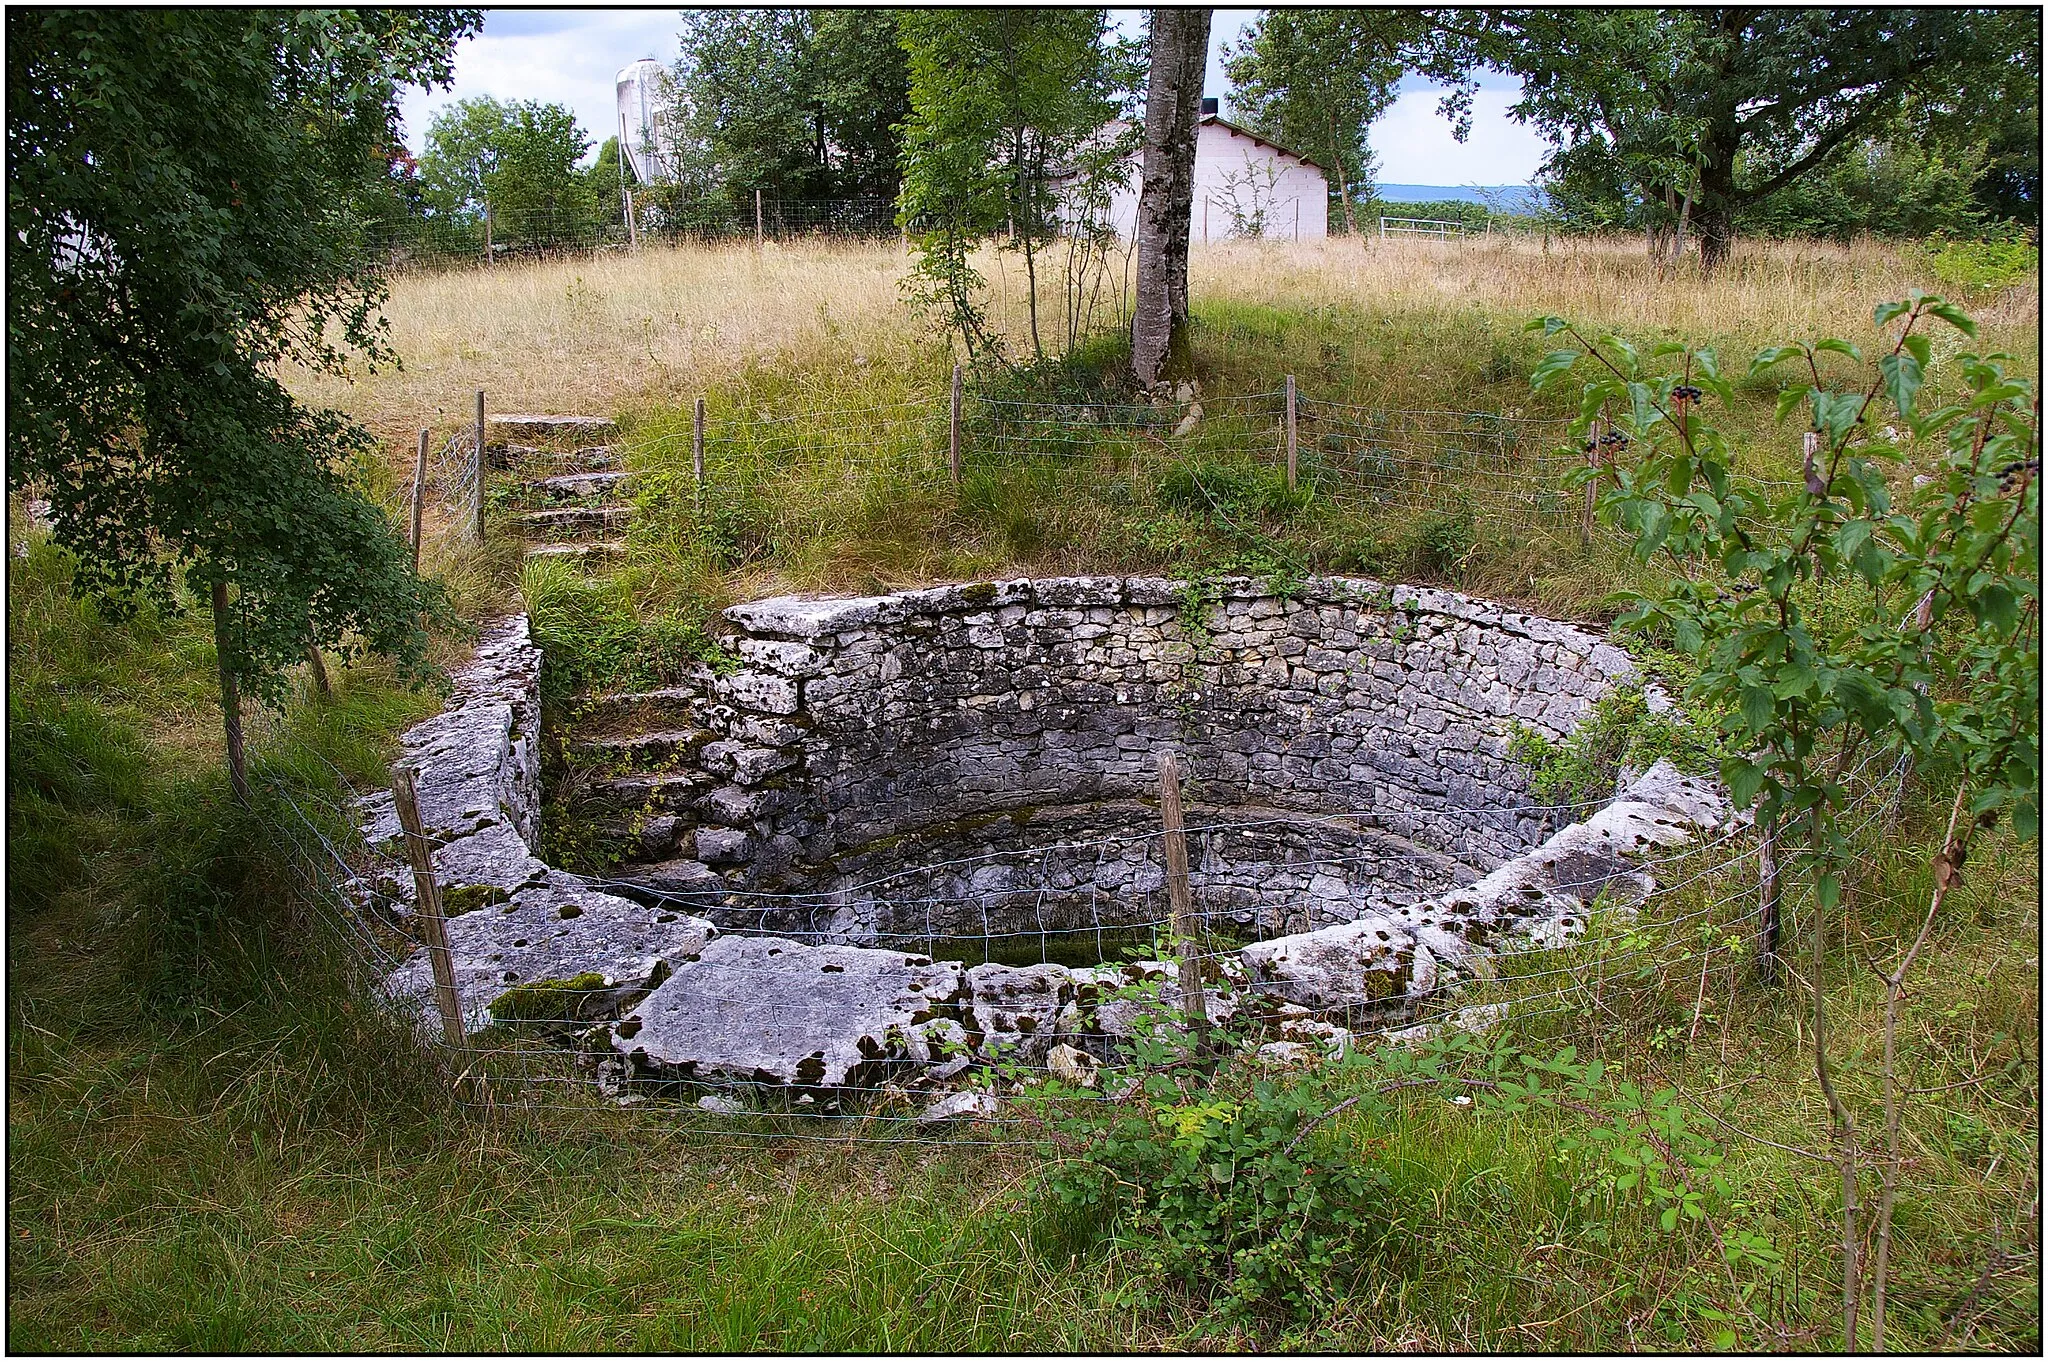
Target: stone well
[(1345, 743), (979, 763)]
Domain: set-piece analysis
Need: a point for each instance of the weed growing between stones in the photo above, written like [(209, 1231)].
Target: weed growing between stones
[(1621, 731)]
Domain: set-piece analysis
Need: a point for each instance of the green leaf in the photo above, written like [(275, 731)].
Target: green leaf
[(1759, 707), (1840, 347), (1669, 1220), (1902, 378), (1885, 312), (1776, 354), (1954, 316), (1551, 367)]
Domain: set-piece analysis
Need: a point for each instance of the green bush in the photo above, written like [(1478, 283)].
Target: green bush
[(1225, 1200)]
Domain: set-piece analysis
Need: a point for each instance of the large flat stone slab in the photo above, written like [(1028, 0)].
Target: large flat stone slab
[(768, 1010), (532, 426), (556, 931)]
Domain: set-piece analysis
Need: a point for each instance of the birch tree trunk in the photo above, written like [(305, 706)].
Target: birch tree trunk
[(1173, 101)]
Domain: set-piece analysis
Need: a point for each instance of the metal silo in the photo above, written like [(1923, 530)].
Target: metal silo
[(645, 99)]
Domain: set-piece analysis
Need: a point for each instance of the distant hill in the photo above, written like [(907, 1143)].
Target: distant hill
[(1511, 197)]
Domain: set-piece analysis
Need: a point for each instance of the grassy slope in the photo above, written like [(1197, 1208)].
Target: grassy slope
[(259, 1170)]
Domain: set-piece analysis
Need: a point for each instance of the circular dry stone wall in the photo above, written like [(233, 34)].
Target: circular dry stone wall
[(928, 761), (975, 762)]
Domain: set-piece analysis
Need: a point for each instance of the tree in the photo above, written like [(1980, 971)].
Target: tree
[(1716, 109), (183, 217), (1002, 102), (512, 165), (797, 103), (1314, 80), (1160, 343), (1854, 615)]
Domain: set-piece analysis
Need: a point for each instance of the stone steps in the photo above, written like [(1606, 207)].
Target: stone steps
[(528, 426), (667, 708), (645, 749), (655, 791), (575, 522), (583, 487), (585, 552)]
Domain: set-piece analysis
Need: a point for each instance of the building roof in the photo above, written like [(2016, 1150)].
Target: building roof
[(1225, 123)]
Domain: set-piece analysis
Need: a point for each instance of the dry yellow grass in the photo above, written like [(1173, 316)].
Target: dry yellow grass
[(1770, 291), (629, 333), (622, 332)]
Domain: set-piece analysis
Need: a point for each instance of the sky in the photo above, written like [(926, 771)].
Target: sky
[(570, 57)]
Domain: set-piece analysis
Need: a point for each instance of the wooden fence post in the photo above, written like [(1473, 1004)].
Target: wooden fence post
[(1767, 906), (953, 429), (479, 465), (230, 696), (321, 684), (1592, 490), (1181, 901), (757, 219), (1293, 451), (419, 497), (697, 451), (427, 903)]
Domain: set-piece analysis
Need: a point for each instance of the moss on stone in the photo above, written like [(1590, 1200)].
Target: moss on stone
[(978, 593), (467, 898), (545, 999)]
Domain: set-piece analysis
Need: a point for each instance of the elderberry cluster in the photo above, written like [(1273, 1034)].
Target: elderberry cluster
[(2013, 475), (1685, 392), (1613, 438)]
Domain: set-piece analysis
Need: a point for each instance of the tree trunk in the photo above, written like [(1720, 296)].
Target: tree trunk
[(1343, 181), (1173, 101), (230, 696), (1714, 208)]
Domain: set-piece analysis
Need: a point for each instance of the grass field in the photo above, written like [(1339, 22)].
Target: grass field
[(202, 1156)]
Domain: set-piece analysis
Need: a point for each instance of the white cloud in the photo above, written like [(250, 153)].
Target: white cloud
[(1415, 145), (566, 57)]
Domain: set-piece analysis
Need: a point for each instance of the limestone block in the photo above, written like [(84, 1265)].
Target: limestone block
[(760, 691), (553, 932), (1359, 964), (1016, 1009), (775, 1011)]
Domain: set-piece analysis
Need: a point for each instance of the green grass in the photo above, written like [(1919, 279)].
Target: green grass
[(215, 1145)]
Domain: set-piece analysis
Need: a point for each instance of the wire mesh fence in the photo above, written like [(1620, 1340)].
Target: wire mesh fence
[(565, 1048)]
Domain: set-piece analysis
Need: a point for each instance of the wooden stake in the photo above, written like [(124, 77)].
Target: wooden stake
[(953, 430), (427, 901), (1767, 906), (632, 227), (319, 666), (419, 497), (1181, 901), (757, 219), (1293, 457), (479, 465), (697, 451), (230, 697)]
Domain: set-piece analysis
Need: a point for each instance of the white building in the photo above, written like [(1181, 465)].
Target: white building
[(646, 138), (1244, 186)]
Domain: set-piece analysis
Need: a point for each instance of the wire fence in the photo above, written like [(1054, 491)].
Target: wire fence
[(654, 215), (1703, 914)]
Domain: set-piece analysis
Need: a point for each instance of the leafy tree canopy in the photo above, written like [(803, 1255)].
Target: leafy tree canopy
[(1729, 105), (799, 103), (515, 161), (1314, 80), (1002, 102), (185, 211)]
